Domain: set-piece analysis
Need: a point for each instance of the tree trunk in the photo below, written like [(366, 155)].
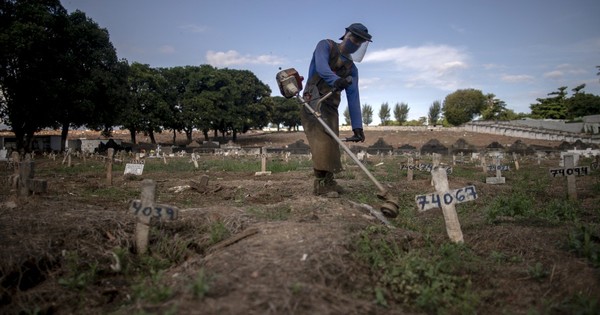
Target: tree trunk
[(132, 132), (234, 135), (151, 135), (174, 137), (188, 134), (205, 132), (63, 136)]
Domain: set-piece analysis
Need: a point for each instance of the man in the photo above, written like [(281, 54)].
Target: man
[(332, 68)]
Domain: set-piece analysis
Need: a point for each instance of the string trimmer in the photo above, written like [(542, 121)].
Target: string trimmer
[(290, 85)]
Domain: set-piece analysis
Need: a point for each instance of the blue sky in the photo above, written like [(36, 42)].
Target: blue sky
[(519, 50)]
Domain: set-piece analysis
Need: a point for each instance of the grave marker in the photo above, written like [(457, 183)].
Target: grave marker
[(498, 179), (446, 199), (263, 166), (570, 170), (109, 166), (25, 181), (411, 165), (135, 168), (145, 209)]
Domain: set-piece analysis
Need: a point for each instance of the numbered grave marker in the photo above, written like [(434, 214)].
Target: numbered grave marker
[(446, 199), (435, 200), (134, 168), (144, 210)]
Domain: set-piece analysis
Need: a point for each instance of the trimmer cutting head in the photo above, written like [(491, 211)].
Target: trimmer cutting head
[(389, 207)]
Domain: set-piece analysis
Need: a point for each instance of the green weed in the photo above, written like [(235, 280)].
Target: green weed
[(151, 290), (537, 272), (200, 286), (218, 232), (271, 214), (430, 280), (584, 240), (79, 273)]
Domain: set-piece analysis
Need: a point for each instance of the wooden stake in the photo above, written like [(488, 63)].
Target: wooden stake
[(571, 184), (142, 226), (411, 165), (440, 180), (109, 166)]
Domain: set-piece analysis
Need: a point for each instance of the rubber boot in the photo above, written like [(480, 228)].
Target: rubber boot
[(325, 184)]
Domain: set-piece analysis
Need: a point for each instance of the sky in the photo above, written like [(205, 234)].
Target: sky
[(518, 50)]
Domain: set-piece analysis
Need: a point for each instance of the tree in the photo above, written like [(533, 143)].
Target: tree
[(583, 104), (147, 110), (495, 109), (434, 112), (286, 112), (56, 70), (554, 107), (401, 112), (462, 106), (91, 80), (367, 114), (347, 116), (384, 113), (30, 51)]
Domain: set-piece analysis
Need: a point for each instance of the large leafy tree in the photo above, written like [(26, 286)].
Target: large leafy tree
[(148, 109), (495, 109), (434, 112), (91, 81), (463, 105), (401, 112), (56, 70), (286, 112), (553, 107), (30, 50), (384, 113), (582, 104), (247, 102)]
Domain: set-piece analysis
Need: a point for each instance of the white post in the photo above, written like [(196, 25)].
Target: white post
[(440, 180)]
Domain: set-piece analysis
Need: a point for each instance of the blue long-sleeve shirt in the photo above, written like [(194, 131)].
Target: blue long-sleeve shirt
[(320, 64)]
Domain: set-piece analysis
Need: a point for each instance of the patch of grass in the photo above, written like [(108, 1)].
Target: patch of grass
[(218, 232), (281, 213), (172, 248), (151, 289), (537, 272), (584, 241), (516, 205), (200, 286), (427, 279), (79, 273), (577, 304)]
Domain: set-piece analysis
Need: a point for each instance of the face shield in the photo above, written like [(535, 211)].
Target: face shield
[(354, 46)]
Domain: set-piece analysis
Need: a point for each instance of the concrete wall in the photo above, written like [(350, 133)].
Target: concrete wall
[(527, 132)]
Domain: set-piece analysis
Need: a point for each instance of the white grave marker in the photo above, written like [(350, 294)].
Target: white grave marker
[(145, 209), (446, 199)]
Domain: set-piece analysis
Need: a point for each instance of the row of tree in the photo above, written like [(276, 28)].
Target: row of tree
[(60, 71), (464, 105)]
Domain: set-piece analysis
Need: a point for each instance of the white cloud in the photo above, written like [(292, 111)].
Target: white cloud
[(556, 74), (429, 65), (192, 28), (166, 49), (517, 78), (232, 57)]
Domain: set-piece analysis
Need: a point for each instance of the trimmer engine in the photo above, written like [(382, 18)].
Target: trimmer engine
[(289, 82)]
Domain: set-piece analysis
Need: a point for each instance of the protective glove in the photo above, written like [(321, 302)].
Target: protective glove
[(359, 135), (342, 83)]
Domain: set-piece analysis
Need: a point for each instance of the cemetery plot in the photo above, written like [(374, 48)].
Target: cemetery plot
[(247, 244)]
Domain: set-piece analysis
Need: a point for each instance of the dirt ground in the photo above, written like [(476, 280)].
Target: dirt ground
[(251, 244)]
